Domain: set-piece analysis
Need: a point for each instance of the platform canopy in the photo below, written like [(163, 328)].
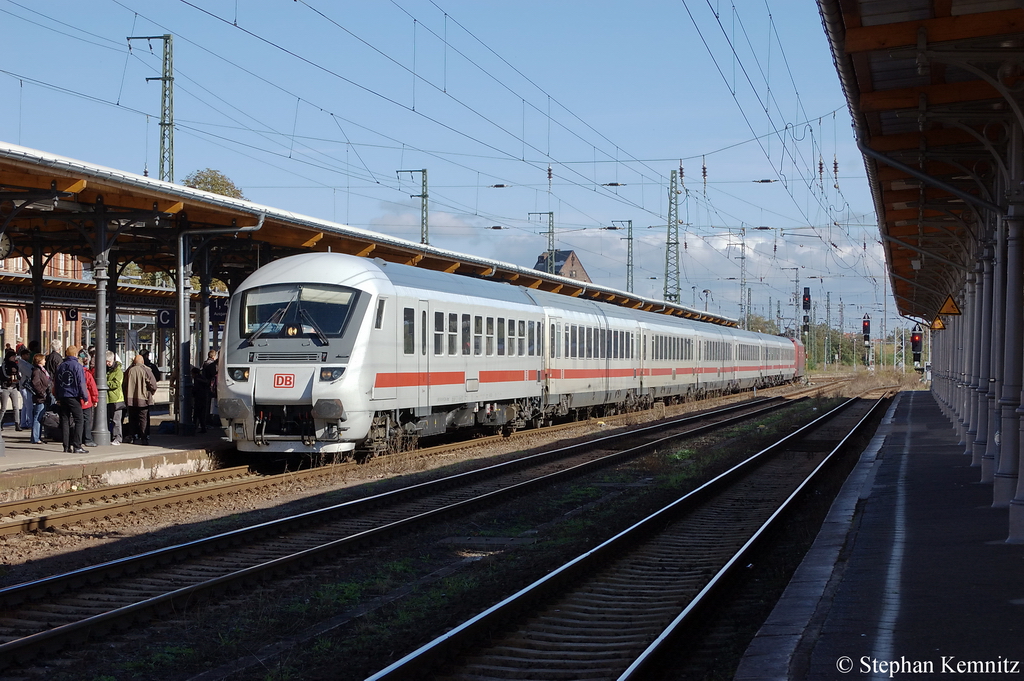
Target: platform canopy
[(934, 88), (52, 204)]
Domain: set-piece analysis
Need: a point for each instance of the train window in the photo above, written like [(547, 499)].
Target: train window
[(531, 346), (423, 333), (288, 310), (540, 339), (567, 355), (453, 333), (574, 343), (409, 330), (629, 345), (379, 321), (511, 338), (552, 341), (522, 338), (615, 344), (439, 333), (465, 334), (590, 343), (478, 335), (558, 339), (490, 336), (501, 335)]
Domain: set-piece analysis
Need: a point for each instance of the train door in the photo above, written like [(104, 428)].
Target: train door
[(423, 358), (552, 356), (387, 337)]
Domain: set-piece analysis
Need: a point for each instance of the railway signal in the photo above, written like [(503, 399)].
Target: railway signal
[(807, 307), (915, 344)]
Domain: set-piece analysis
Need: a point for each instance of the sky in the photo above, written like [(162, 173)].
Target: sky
[(515, 109)]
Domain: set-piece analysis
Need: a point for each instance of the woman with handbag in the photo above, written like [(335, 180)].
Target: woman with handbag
[(41, 386)]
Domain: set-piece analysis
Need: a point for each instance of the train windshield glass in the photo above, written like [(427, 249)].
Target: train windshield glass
[(289, 310)]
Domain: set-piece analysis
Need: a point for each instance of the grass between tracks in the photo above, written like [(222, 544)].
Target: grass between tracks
[(566, 520)]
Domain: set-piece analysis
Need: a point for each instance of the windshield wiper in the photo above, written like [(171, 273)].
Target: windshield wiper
[(274, 319), (320, 334)]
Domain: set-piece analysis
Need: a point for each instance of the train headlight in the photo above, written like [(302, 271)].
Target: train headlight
[(331, 373), (291, 330), (238, 373)]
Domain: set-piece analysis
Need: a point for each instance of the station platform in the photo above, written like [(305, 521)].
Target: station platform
[(910, 576), (32, 470)]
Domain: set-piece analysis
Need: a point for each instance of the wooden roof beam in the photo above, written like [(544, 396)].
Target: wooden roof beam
[(911, 141), (943, 29), (946, 93)]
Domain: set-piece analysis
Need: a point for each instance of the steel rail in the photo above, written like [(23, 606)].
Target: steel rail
[(57, 509), (69, 508), (642, 663), (28, 646), (417, 663)]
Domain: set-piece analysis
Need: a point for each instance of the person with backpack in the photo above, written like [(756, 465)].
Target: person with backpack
[(71, 391)]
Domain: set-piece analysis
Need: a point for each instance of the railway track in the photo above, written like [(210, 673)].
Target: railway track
[(46, 614), (105, 503), (610, 613)]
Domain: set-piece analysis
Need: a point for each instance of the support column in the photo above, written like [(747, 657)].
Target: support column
[(990, 458), (35, 318), (183, 363), (1006, 476), (963, 361), (101, 258), (974, 366), (984, 356), (204, 308)]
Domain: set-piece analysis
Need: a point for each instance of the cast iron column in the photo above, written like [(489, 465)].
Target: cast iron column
[(984, 353)]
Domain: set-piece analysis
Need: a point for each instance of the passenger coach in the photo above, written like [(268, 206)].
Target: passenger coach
[(326, 352)]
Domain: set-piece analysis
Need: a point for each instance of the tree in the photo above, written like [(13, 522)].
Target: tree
[(762, 325), (213, 181)]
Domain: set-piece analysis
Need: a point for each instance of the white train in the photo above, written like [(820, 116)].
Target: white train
[(325, 352)]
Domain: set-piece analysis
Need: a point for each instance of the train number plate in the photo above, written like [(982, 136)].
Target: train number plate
[(284, 380)]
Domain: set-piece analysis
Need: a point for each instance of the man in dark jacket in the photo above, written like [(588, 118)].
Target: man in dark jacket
[(70, 389), (55, 357)]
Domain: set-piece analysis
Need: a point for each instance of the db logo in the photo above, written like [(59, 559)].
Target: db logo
[(284, 380)]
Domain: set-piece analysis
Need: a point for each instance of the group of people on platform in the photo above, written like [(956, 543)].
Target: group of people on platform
[(59, 390)]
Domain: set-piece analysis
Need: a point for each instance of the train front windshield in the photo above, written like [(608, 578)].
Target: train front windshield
[(296, 310)]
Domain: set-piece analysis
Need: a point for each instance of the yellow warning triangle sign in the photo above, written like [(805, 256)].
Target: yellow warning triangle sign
[(937, 325), (949, 307)]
